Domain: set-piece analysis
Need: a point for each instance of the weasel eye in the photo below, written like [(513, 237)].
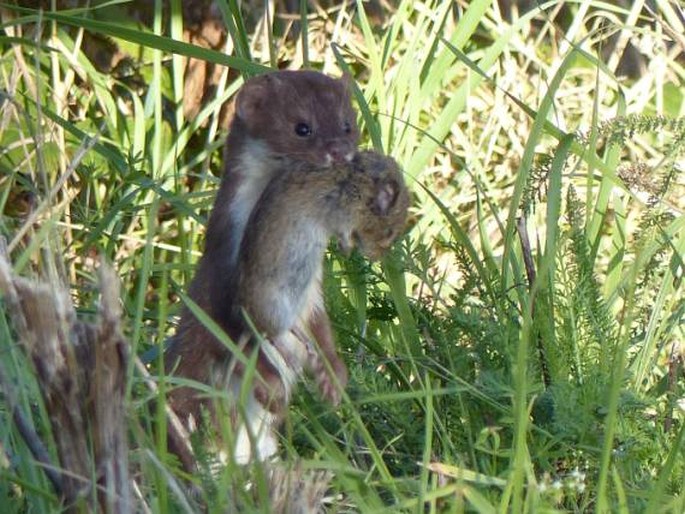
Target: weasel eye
[(303, 130)]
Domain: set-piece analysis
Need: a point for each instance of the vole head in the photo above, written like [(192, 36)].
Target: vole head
[(383, 214), (303, 115)]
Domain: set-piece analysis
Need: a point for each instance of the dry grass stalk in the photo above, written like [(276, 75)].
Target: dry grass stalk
[(296, 490), (81, 371)]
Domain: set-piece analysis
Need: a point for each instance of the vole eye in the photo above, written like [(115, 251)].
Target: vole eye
[(303, 130), (347, 127)]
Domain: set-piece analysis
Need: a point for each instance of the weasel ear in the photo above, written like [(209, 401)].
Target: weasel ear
[(346, 85), (254, 94), (249, 101), (346, 80), (385, 197)]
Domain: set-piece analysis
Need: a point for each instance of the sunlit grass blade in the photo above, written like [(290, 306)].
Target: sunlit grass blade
[(151, 41)]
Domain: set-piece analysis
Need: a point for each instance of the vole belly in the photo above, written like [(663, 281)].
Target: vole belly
[(291, 281)]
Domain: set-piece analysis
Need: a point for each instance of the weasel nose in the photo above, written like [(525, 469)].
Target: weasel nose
[(339, 153)]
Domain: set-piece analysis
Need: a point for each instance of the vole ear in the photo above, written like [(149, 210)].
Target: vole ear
[(345, 242), (385, 197)]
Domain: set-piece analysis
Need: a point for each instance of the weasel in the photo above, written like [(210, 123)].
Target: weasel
[(280, 117)]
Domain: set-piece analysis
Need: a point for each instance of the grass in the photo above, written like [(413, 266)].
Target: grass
[(519, 350)]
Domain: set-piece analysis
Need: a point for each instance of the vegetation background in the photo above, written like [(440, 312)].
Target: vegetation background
[(520, 349)]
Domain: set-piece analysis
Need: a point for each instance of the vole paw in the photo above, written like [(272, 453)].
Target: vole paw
[(271, 394), (331, 387)]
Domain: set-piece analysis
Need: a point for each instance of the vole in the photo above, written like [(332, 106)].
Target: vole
[(280, 117), (362, 204)]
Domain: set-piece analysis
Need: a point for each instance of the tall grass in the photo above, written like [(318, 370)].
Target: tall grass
[(519, 350)]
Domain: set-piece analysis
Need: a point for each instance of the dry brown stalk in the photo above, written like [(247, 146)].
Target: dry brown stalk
[(81, 371)]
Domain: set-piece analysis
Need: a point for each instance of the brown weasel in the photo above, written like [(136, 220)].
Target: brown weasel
[(284, 116), (363, 204)]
